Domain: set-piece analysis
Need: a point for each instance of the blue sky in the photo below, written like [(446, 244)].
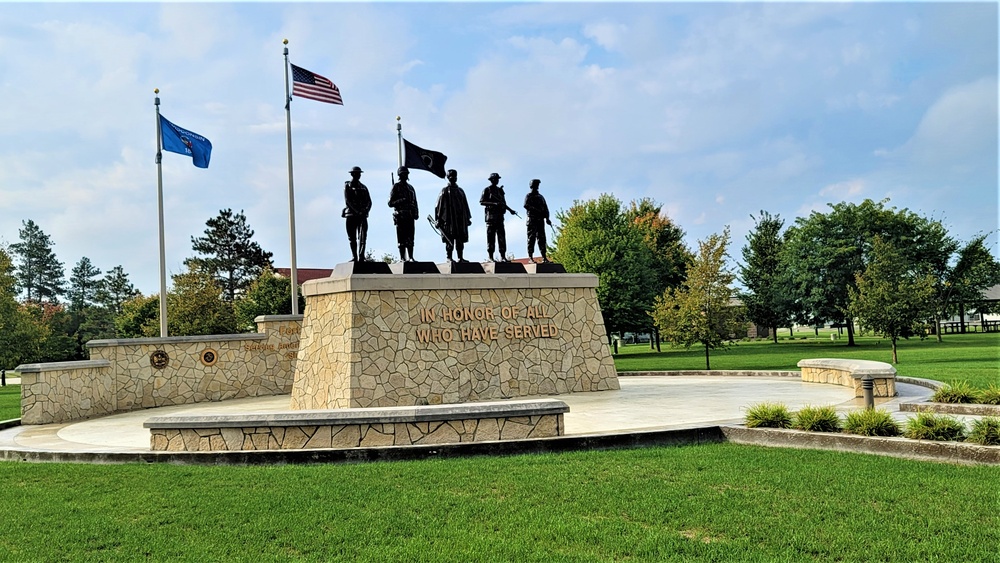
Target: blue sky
[(716, 111)]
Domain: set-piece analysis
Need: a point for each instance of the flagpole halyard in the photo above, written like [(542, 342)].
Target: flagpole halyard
[(159, 201), (291, 188)]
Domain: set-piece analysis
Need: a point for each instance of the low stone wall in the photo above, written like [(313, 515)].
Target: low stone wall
[(131, 374), (417, 339), (354, 428), (849, 373)]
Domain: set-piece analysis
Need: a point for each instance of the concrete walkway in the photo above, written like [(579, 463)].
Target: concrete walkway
[(643, 403)]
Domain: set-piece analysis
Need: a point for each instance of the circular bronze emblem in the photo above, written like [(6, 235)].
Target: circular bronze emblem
[(209, 357), (159, 359)]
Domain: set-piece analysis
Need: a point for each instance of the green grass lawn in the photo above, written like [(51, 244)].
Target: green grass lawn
[(971, 357), (10, 402), (718, 502)]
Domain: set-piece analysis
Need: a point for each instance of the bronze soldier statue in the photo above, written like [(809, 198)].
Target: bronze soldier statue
[(538, 216), (495, 202), (358, 204), (452, 217), (403, 199)]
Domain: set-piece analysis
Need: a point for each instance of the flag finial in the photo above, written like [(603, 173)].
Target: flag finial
[(156, 90), (284, 42)]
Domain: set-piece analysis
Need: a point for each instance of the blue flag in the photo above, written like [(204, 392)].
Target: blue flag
[(181, 141)]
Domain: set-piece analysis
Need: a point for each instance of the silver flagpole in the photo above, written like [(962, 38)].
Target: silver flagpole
[(159, 200), (291, 188), (399, 140)]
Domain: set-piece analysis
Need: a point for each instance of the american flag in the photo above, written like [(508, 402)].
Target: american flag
[(306, 84)]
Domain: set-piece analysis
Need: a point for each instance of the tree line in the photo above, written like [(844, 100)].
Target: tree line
[(227, 283), (891, 270)]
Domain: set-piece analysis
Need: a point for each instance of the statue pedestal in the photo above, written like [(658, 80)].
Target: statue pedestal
[(401, 340)]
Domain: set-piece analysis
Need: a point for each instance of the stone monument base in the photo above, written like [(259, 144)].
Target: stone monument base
[(403, 340)]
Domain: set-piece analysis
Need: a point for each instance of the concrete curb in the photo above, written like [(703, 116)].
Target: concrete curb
[(582, 442), (5, 424), (952, 408), (922, 450), (713, 372)]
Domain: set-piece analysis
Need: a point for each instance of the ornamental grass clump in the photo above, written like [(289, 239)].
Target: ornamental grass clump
[(956, 392), (939, 427), (990, 395), (985, 431), (768, 415), (871, 422), (817, 419)]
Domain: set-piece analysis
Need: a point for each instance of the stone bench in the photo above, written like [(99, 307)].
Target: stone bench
[(359, 427), (849, 373)]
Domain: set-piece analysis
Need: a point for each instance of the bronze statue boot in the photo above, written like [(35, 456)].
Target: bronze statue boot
[(491, 257), (409, 251), (354, 252)]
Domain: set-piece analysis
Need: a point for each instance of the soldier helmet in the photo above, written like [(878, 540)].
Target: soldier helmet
[(494, 176), (535, 182), (356, 169), (402, 169)]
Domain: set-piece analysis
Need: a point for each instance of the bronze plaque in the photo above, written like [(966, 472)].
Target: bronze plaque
[(209, 357), (159, 359)]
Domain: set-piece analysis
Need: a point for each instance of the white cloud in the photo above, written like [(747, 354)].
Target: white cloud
[(607, 34), (843, 190)]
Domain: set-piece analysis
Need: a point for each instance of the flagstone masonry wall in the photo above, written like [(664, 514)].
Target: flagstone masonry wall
[(120, 376), (354, 428), (417, 339), (849, 372)]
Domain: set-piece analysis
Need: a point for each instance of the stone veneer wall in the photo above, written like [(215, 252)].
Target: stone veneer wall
[(354, 435), (120, 375), (405, 339), (848, 373)]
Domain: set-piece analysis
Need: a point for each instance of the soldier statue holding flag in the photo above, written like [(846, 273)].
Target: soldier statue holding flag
[(358, 203)]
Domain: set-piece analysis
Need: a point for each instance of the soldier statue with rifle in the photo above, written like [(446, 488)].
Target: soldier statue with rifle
[(495, 204)]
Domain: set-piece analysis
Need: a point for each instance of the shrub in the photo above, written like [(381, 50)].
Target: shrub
[(956, 392), (817, 419), (990, 395), (871, 422), (768, 415), (986, 431), (931, 426)]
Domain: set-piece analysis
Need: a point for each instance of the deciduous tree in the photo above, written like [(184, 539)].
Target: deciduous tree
[(20, 336), (268, 295), (597, 237), (701, 311), (893, 295), (824, 253)]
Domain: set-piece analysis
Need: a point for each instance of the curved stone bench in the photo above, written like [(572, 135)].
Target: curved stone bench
[(359, 427), (849, 373)]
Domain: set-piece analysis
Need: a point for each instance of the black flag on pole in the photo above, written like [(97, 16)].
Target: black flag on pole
[(423, 159)]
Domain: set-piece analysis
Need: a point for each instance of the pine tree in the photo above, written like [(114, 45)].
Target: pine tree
[(115, 290), (228, 254), (767, 299), (83, 285), (39, 274)]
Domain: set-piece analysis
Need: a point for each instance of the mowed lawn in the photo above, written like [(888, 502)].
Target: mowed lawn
[(970, 357), (720, 502)]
